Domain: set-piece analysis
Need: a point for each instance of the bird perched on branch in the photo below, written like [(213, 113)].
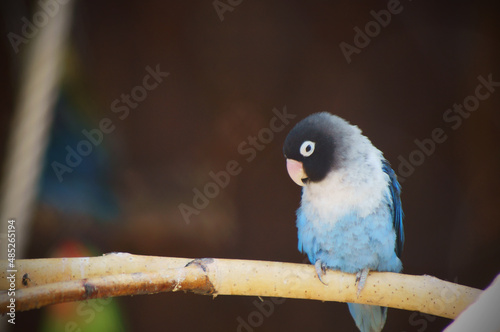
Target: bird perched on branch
[(350, 218)]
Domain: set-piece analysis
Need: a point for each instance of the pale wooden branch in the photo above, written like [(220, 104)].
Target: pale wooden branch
[(41, 282), (482, 315)]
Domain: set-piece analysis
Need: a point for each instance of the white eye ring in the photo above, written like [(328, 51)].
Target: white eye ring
[(307, 148)]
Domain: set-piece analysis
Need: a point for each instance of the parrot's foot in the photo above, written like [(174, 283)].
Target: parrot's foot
[(320, 270), (361, 279)]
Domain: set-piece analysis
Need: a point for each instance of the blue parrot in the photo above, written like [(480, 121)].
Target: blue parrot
[(350, 218)]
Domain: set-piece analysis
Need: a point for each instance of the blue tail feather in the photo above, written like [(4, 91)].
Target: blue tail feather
[(368, 318)]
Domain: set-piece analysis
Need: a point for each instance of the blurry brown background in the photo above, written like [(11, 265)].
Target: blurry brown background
[(225, 79)]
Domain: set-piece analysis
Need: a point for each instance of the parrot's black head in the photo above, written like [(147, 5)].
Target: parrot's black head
[(311, 143)]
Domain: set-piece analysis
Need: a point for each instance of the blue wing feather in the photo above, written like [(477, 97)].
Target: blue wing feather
[(397, 210)]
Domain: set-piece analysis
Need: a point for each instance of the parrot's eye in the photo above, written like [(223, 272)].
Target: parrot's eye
[(307, 148)]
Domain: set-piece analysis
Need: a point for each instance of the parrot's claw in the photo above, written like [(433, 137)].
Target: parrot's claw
[(320, 270), (361, 279)]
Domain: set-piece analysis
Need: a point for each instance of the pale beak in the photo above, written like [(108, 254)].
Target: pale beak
[(296, 171)]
